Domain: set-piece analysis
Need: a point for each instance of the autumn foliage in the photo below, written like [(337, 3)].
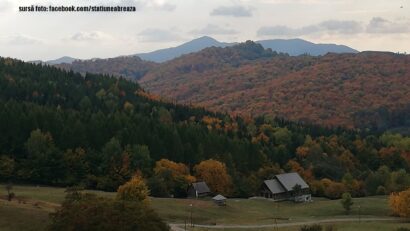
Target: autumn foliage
[(365, 90), (400, 203), (133, 190), (63, 128), (215, 174)]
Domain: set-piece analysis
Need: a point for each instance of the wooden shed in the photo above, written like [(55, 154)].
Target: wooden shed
[(198, 189), (219, 200)]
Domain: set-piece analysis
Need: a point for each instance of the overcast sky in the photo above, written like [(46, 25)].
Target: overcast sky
[(360, 24)]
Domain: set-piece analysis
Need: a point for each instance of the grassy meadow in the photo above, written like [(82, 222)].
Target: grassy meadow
[(34, 203)]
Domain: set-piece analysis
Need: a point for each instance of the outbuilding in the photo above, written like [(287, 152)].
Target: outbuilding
[(198, 189), (219, 200)]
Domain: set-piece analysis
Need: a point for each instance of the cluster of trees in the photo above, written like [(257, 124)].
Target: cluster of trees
[(173, 179), (62, 128), (130, 210)]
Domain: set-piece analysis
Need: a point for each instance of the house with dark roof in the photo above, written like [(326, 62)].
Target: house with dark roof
[(198, 189), (288, 186)]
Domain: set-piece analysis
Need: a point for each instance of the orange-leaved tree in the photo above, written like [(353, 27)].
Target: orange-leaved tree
[(400, 203), (174, 168), (175, 177), (215, 175), (133, 190)]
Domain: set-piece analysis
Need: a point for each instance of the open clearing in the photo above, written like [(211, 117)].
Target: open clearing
[(37, 202)]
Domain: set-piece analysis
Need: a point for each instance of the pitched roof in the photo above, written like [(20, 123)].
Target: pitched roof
[(289, 180), (219, 197), (274, 186), (201, 187)]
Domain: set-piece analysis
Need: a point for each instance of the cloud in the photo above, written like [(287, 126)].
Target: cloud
[(330, 27), (21, 40), (158, 35), (342, 27), (233, 11), (90, 36), (212, 29), (380, 25)]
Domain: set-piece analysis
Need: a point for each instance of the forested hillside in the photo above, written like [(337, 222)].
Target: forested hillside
[(368, 90), (62, 128), (365, 90), (131, 67)]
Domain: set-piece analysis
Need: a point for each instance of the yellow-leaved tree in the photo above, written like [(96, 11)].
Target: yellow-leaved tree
[(215, 175), (175, 169), (133, 190), (400, 203), (170, 179)]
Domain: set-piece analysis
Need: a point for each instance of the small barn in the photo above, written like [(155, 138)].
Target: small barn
[(198, 189), (288, 186), (219, 200)]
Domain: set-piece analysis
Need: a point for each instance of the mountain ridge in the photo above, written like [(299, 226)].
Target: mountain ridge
[(293, 47), (194, 45)]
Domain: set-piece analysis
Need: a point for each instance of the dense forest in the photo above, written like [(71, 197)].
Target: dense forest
[(64, 128), (368, 90), (131, 67), (365, 90)]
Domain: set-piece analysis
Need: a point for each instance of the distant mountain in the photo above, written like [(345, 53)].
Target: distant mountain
[(64, 59), (295, 47), (186, 48)]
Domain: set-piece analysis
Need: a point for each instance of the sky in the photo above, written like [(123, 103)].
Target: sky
[(382, 25)]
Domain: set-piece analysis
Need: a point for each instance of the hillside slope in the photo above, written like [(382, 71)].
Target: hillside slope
[(368, 89)]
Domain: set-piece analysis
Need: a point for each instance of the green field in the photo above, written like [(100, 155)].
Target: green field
[(37, 202)]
